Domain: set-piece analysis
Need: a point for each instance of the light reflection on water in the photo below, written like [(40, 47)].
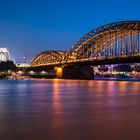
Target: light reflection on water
[(69, 110)]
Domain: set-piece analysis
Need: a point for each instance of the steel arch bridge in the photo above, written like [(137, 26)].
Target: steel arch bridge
[(118, 39)]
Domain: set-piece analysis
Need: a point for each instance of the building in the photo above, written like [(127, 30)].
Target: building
[(4, 54)]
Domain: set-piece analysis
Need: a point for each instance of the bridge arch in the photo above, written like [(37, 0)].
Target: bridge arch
[(118, 39), (47, 57)]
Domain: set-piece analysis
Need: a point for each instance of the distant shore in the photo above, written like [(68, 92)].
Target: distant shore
[(117, 79)]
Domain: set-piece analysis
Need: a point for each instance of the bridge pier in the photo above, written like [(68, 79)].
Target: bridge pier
[(59, 72), (75, 72)]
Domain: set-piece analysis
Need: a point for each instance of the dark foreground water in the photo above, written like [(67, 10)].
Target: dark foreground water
[(69, 110)]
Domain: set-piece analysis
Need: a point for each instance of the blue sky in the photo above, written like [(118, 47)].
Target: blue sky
[(31, 26)]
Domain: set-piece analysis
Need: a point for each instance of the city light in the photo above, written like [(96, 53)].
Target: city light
[(4, 54)]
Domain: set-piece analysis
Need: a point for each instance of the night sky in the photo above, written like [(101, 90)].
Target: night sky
[(31, 26)]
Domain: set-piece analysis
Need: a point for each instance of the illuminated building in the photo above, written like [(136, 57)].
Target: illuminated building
[(4, 54)]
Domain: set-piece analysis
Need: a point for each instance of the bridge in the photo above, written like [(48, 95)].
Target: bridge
[(113, 43)]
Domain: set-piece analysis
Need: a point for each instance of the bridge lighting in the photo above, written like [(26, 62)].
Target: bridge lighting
[(43, 72), (31, 72), (59, 71), (121, 43), (20, 72)]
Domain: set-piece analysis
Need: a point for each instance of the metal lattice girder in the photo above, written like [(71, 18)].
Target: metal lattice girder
[(108, 41), (128, 25), (100, 38), (47, 57)]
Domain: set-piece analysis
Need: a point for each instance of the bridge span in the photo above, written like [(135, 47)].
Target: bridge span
[(114, 43)]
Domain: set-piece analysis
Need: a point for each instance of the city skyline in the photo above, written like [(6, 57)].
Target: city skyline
[(29, 27)]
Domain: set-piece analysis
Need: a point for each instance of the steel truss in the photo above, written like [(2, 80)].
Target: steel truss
[(47, 57), (118, 39), (115, 39)]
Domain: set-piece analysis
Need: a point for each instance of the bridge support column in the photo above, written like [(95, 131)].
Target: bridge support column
[(59, 72), (78, 72)]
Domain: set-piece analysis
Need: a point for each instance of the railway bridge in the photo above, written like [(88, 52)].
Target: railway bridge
[(113, 43)]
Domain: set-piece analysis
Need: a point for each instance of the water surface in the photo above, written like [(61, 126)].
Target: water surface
[(69, 110)]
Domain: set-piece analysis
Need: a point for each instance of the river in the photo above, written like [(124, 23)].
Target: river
[(69, 110)]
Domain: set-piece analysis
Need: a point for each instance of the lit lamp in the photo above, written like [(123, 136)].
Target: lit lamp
[(59, 71)]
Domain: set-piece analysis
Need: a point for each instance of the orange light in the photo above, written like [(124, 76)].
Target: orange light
[(59, 72)]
